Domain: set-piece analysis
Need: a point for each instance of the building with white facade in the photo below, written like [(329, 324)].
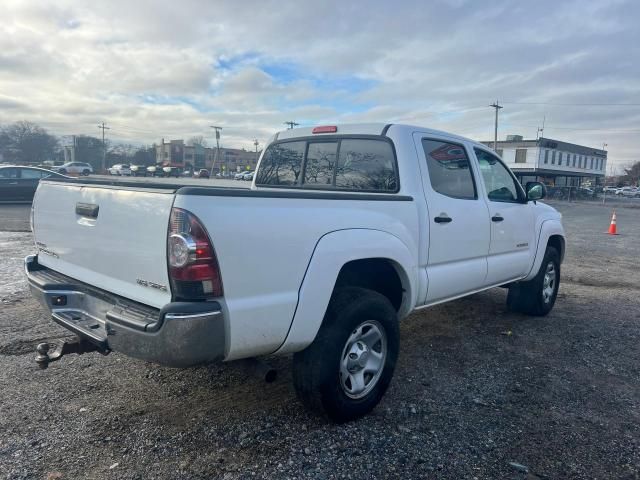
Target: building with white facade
[(553, 162)]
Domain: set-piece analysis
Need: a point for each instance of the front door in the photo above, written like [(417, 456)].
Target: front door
[(512, 228), (458, 219)]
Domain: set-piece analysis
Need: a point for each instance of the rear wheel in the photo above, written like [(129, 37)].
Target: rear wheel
[(347, 369), (537, 296), (86, 173)]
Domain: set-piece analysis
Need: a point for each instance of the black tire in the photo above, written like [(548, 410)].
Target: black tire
[(86, 173), (528, 297), (316, 370)]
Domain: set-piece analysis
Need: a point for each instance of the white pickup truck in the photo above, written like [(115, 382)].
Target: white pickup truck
[(345, 230)]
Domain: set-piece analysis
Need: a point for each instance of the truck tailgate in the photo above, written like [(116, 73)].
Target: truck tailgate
[(113, 238)]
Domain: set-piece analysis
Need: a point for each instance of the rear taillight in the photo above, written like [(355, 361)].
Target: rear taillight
[(193, 266)]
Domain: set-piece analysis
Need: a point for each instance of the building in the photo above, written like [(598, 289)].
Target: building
[(553, 162), (176, 154)]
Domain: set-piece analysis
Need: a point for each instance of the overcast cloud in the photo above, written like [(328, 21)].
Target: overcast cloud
[(153, 72)]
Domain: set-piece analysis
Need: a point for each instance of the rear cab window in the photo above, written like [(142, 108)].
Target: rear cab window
[(449, 169), (344, 163)]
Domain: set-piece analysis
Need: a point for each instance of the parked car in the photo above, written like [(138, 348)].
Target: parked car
[(19, 184), (202, 173), (155, 171), (120, 169), (171, 171), (138, 170), (404, 218), (74, 168), (248, 176), (610, 189), (628, 192), (239, 176)]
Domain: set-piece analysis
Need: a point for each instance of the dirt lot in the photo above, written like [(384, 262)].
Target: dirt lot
[(478, 392)]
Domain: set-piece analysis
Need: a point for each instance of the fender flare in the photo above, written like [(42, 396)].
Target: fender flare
[(332, 252), (548, 228)]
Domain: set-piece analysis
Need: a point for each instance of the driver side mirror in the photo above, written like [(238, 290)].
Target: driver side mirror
[(535, 191)]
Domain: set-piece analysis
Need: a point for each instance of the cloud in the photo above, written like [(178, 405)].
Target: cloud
[(171, 70)]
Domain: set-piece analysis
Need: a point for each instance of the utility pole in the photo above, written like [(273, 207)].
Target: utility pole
[(103, 127), (217, 129), (256, 143), (541, 130), (604, 165), (291, 124), (497, 106)]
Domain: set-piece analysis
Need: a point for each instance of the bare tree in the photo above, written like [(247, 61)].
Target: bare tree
[(197, 140), (26, 142), (633, 173)]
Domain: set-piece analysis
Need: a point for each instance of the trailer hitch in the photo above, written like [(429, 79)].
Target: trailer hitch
[(65, 347)]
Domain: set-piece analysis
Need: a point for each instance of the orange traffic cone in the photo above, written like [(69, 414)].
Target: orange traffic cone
[(613, 227)]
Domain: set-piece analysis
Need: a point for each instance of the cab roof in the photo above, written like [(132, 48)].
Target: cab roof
[(367, 129)]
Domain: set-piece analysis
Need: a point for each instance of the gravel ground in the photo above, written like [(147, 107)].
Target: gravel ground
[(478, 392)]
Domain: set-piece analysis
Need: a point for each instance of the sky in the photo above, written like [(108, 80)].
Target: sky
[(153, 71)]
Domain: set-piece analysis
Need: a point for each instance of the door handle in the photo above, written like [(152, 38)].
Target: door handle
[(442, 219), (87, 210), (497, 218)]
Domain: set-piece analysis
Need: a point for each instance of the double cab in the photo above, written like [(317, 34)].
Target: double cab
[(346, 229)]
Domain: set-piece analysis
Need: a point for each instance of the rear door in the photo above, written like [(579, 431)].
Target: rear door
[(512, 220), (28, 182), (9, 188), (112, 238), (458, 219)]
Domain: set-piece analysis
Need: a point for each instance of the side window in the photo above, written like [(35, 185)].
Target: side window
[(366, 165), (321, 162), (281, 164), (449, 169), (500, 184), (30, 174), (8, 173)]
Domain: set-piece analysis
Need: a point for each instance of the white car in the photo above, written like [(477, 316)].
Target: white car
[(74, 168), (239, 176), (248, 176), (610, 189), (120, 169), (629, 192), (352, 227), (138, 170)]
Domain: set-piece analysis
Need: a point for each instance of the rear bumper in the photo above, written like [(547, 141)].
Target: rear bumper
[(181, 334)]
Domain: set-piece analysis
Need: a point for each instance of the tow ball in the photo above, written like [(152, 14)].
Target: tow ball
[(65, 347)]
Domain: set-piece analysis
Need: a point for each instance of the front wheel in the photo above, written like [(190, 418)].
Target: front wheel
[(537, 296), (347, 369)]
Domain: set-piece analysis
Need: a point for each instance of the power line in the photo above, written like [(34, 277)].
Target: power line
[(291, 124), (609, 130), (562, 104)]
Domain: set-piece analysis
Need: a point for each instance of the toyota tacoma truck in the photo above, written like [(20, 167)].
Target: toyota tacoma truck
[(346, 229)]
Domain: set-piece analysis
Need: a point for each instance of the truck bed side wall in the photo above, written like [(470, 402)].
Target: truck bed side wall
[(264, 246)]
